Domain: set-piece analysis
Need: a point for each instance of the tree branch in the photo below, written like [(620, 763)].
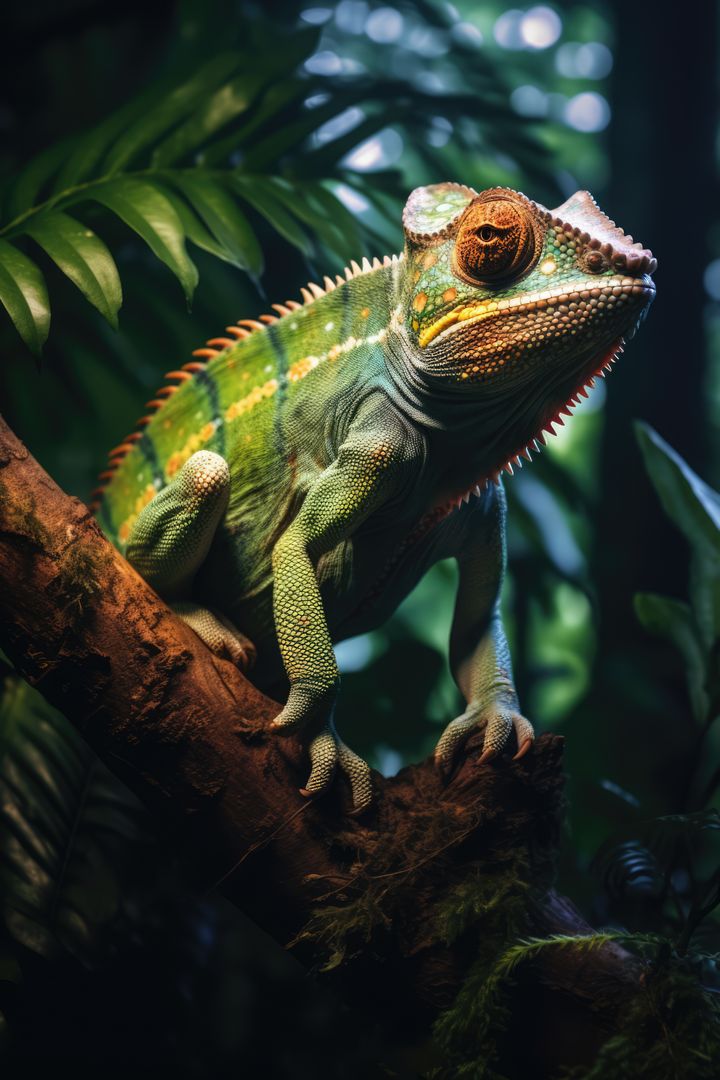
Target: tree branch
[(189, 733)]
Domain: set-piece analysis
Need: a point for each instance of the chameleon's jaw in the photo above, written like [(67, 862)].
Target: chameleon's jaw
[(598, 365), (561, 397)]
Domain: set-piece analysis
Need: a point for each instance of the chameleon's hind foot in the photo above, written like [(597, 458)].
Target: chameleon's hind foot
[(218, 633), (499, 725), (327, 754), (309, 707)]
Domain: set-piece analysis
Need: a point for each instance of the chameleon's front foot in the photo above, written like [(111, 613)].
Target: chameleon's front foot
[(499, 723), (308, 707)]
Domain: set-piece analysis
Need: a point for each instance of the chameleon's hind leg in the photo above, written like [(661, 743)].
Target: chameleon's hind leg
[(171, 539)]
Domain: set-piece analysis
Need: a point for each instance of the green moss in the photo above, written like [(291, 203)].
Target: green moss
[(20, 517), (81, 575), (488, 909)]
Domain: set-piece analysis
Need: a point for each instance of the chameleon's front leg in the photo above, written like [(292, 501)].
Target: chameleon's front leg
[(369, 467), (171, 540), (479, 654)]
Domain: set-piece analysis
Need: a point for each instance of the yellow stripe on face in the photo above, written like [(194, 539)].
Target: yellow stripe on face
[(471, 311)]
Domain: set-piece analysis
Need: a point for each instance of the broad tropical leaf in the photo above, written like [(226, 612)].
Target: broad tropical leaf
[(672, 619), (224, 219), (152, 216), (24, 296), (83, 257), (67, 827), (693, 506)]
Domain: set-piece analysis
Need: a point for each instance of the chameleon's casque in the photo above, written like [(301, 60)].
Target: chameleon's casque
[(293, 483)]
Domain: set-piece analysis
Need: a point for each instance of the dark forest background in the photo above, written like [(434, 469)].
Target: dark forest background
[(286, 137)]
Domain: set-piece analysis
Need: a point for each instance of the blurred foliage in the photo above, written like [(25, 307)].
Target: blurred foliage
[(259, 152)]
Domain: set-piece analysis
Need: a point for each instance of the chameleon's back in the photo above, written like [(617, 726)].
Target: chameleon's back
[(261, 401)]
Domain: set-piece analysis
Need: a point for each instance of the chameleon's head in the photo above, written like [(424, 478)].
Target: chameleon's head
[(507, 298)]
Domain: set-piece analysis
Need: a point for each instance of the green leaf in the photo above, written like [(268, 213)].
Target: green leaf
[(689, 502), (673, 620), (33, 177), (173, 108), (224, 219), (273, 100), (261, 194), (148, 211), (83, 257), (223, 106), (704, 588), (90, 148), (24, 296), (67, 829), (195, 231)]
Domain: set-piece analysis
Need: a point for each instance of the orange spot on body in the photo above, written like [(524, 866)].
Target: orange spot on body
[(175, 462), (449, 295), (365, 312), (420, 301), (429, 259)]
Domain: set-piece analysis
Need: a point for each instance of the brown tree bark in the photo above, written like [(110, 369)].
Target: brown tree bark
[(189, 734)]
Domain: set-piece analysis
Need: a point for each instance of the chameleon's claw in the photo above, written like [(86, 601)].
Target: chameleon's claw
[(524, 747), (488, 755)]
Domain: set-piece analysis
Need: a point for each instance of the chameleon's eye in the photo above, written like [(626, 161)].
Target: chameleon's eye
[(496, 241)]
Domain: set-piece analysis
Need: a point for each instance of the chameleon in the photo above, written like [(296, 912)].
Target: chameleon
[(293, 482)]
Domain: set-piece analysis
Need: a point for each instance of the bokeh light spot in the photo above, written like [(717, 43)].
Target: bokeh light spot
[(378, 152), (587, 112), (711, 279), (506, 30), (540, 27), (592, 60), (384, 25), (351, 16), (529, 101), (353, 200), (316, 16)]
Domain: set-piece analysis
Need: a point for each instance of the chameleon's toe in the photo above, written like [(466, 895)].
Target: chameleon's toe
[(327, 753), (524, 734), (498, 729), (323, 753), (453, 737), (497, 733), (358, 773), (219, 634)]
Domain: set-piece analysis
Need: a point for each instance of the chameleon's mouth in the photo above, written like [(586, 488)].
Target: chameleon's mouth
[(616, 290)]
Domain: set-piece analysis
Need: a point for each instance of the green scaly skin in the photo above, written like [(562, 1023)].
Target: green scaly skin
[(299, 483)]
